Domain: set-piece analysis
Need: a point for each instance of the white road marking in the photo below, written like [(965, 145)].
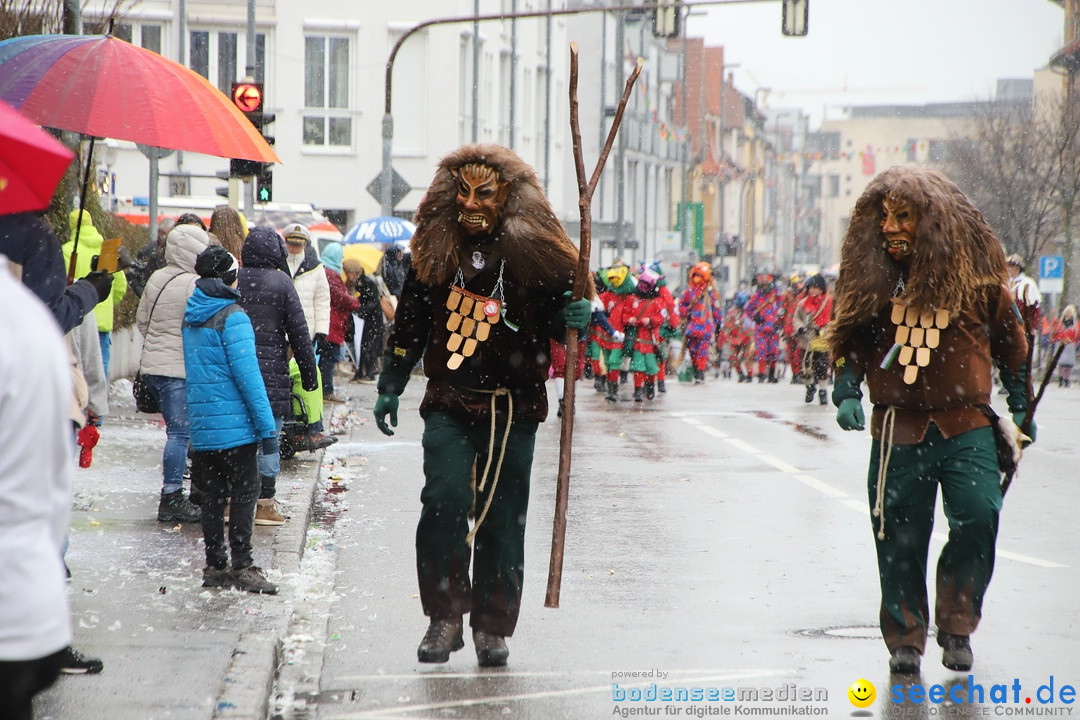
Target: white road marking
[(396, 713), (842, 497)]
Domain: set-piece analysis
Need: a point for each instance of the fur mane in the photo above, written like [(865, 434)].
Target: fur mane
[(537, 250), (955, 253)]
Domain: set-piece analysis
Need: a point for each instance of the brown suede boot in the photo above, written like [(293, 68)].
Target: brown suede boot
[(443, 636)]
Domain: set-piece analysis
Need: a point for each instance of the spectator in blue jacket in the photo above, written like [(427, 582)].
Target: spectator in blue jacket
[(230, 419), (270, 300)]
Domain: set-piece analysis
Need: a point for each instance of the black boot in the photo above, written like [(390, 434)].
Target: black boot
[(588, 370), (823, 397), (443, 637), (613, 391), (810, 390), (660, 386), (174, 507), (622, 376), (491, 650), (650, 390), (561, 405), (600, 384), (699, 376), (639, 393), (761, 378), (772, 374)]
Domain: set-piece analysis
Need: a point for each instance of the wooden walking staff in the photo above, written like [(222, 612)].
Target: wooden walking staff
[(585, 192)]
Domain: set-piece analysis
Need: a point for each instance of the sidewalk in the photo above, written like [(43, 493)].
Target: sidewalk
[(171, 648)]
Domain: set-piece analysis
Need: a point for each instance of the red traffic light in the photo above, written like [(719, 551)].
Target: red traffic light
[(248, 96)]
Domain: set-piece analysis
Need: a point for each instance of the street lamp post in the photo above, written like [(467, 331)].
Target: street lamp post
[(723, 152)]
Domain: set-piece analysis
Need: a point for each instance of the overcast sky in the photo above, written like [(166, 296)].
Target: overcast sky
[(864, 52)]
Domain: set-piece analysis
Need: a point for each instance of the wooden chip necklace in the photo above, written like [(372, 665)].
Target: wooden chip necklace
[(471, 317)]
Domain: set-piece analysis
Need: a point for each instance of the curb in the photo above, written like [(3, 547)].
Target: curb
[(248, 682)]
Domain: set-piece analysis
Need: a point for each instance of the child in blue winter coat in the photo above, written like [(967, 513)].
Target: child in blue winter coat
[(230, 419)]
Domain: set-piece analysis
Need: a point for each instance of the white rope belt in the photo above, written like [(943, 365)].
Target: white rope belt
[(888, 425), (491, 451)]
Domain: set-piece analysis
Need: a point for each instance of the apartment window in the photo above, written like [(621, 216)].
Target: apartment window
[(910, 148), (199, 52), (834, 186), (151, 37), (221, 56), (327, 119), (505, 68)]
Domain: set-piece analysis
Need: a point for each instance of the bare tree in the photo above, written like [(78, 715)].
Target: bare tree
[(1062, 116), (1006, 164), (30, 17)]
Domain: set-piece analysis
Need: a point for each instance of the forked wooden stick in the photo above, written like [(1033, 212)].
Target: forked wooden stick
[(585, 192)]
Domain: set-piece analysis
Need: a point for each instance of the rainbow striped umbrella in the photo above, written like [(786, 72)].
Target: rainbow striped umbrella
[(101, 86)]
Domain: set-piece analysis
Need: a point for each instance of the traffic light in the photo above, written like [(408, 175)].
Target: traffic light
[(248, 98), (264, 185)]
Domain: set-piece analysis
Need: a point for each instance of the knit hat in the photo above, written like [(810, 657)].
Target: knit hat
[(217, 262)]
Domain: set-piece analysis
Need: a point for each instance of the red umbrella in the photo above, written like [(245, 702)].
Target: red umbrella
[(31, 163), (101, 86)]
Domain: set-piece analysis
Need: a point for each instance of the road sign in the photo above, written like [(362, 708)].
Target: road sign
[(399, 187), (1051, 267), (1051, 274), (248, 96)]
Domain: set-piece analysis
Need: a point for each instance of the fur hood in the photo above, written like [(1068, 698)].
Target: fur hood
[(537, 250), (955, 253)]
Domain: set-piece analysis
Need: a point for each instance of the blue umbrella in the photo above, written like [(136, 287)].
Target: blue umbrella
[(380, 231)]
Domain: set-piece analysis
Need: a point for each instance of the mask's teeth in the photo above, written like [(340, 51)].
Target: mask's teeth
[(483, 223), (460, 217)]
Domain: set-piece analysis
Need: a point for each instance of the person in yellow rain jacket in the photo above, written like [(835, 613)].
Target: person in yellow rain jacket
[(90, 241)]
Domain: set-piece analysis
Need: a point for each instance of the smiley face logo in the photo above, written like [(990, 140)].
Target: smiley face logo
[(862, 693)]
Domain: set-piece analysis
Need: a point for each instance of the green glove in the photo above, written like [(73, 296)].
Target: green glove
[(1018, 418), (850, 416), (387, 404), (577, 313)]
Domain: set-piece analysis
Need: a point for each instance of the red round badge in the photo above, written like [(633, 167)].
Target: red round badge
[(491, 308)]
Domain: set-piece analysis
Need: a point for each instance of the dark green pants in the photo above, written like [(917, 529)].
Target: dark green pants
[(966, 468), (493, 596)]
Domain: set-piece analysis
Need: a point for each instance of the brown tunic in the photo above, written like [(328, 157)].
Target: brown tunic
[(958, 378)]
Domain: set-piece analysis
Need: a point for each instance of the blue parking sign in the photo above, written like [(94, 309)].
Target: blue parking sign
[(1051, 267)]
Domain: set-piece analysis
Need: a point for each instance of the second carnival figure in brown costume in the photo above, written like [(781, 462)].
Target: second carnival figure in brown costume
[(489, 285), (922, 309)]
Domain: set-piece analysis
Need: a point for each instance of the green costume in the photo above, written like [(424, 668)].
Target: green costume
[(923, 333), (480, 309)]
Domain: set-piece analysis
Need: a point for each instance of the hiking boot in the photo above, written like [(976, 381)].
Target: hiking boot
[(75, 663), (443, 637), (174, 507), (650, 390), (639, 393), (660, 386), (613, 391), (822, 397), (810, 390), (957, 651), (491, 650), (318, 441), (332, 398), (253, 580), (905, 660), (266, 512), (213, 577)]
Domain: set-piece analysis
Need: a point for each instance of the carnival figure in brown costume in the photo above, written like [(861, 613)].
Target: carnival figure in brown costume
[(922, 308), (488, 287)]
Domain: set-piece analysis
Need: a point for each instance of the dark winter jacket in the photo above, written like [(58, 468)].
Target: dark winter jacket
[(226, 397), (27, 240), (270, 300), (515, 355)]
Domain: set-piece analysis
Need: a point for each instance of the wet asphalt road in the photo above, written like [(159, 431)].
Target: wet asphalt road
[(717, 538)]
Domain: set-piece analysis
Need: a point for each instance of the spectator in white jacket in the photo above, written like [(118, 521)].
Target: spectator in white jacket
[(160, 318), (35, 497), (309, 279)]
